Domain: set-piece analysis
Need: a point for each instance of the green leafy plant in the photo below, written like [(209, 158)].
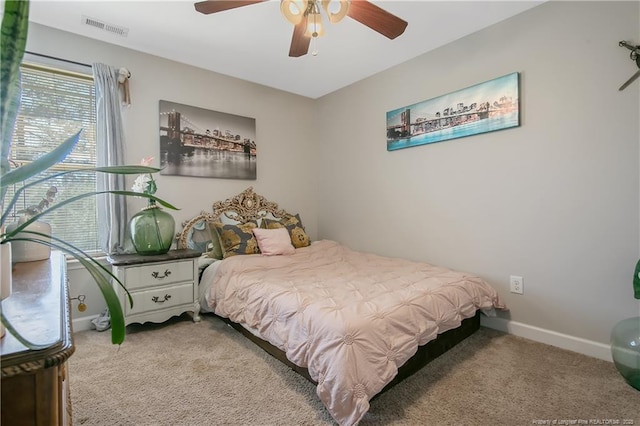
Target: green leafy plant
[(12, 46)]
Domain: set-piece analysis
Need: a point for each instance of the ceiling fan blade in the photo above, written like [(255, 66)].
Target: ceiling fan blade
[(376, 18), (631, 80), (299, 41), (212, 6)]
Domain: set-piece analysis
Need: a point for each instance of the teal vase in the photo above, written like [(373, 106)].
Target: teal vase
[(625, 349), (152, 230)]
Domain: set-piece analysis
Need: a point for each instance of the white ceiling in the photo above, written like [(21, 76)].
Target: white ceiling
[(252, 42)]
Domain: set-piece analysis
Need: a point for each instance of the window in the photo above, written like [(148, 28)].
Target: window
[(55, 105)]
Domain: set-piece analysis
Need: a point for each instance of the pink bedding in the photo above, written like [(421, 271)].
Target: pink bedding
[(351, 318)]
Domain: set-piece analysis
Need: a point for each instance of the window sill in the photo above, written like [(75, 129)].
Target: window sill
[(73, 264)]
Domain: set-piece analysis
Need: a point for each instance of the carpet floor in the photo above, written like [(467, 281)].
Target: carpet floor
[(181, 373)]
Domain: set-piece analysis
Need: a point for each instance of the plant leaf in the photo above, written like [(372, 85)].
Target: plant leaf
[(98, 272), (68, 201), (109, 294), (124, 170), (18, 336), (119, 170), (15, 25), (13, 39), (52, 158), (69, 246), (148, 196)]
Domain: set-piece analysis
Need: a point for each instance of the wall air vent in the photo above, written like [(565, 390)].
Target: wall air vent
[(104, 26)]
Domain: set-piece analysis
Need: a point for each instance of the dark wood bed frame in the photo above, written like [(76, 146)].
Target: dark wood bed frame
[(250, 206), (425, 354)]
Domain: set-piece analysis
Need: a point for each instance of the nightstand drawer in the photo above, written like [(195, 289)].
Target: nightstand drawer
[(158, 274), (160, 298)]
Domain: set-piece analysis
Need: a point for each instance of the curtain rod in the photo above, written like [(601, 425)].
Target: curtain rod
[(58, 59)]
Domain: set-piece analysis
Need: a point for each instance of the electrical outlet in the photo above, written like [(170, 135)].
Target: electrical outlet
[(516, 284)]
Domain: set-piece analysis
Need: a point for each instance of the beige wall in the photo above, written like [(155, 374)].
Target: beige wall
[(555, 200)]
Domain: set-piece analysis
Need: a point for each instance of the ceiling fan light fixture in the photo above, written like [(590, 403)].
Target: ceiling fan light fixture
[(336, 9), (294, 10), (315, 28)]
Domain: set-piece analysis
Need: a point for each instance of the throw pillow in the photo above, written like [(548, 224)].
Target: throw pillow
[(237, 239), (214, 249), (274, 241), (293, 224)]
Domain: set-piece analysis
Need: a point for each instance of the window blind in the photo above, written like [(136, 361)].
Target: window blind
[(55, 105)]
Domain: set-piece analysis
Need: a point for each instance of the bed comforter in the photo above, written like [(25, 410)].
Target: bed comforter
[(350, 318)]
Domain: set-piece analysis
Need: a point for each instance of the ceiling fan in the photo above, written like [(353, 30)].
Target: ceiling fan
[(306, 17)]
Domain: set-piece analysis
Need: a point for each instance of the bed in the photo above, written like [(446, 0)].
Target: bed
[(352, 323)]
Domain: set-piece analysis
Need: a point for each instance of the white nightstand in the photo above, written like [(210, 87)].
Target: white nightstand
[(161, 286)]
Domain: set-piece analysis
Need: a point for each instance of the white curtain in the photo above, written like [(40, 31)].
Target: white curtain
[(112, 209)]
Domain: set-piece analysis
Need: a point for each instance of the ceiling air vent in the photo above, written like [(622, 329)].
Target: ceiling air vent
[(104, 26)]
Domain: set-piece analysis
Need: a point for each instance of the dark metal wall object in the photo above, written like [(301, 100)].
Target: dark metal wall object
[(635, 56)]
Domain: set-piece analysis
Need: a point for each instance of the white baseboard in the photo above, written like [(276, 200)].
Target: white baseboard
[(82, 323), (564, 341), (548, 337)]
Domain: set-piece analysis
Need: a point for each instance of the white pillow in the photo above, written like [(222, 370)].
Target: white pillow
[(273, 241)]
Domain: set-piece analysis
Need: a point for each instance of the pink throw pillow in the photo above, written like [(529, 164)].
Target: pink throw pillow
[(274, 241)]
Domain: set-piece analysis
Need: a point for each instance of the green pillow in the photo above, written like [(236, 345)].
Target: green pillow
[(214, 249)]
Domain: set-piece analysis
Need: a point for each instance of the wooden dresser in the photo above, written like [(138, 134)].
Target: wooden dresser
[(35, 388)]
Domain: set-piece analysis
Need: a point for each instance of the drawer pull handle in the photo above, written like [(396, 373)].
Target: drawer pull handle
[(156, 299), (157, 275)]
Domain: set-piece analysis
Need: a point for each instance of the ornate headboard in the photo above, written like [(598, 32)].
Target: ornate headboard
[(246, 206), (241, 208)]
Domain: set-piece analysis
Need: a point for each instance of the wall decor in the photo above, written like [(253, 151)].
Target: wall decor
[(635, 56), (204, 143), (485, 107)]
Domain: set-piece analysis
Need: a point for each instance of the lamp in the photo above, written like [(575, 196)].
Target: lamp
[(295, 10)]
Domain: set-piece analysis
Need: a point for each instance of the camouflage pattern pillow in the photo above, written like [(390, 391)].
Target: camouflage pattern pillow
[(299, 237), (237, 239)]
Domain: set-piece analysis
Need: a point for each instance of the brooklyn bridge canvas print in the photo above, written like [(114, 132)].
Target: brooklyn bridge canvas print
[(485, 107), (203, 143)]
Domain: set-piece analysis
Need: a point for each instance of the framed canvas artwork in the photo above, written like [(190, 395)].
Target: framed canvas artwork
[(485, 107), (204, 143)]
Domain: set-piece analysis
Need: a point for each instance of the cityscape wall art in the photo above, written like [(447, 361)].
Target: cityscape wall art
[(203, 143), (485, 107)]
